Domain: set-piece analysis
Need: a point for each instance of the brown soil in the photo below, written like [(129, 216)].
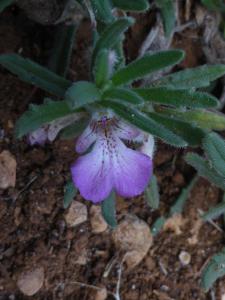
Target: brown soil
[(33, 231)]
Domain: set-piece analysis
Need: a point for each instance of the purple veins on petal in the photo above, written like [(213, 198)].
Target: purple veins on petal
[(87, 138), (132, 171), (110, 165), (92, 175)]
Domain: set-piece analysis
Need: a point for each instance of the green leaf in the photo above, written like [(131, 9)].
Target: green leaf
[(205, 170), (74, 130), (214, 146), (102, 10), (178, 206), (82, 93), (217, 5), (158, 225), (5, 3), (69, 193), (109, 210), (202, 118), (34, 73), (147, 64), (38, 115), (112, 35), (177, 98), (167, 9), (145, 123), (131, 5), (124, 95), (191, 134), (192, 78), (213, 270), (214, 212), (62, 49), (152, 193), (102, 68)]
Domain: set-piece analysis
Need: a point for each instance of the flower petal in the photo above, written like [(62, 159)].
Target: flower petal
[(38, 137), (132, 171), (148, 145), (87, 138), (92, 175), (126, 131)]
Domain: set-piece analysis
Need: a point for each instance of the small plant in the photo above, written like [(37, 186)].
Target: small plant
[(114, 121)]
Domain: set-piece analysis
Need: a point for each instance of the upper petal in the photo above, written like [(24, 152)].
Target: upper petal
[(126, 131), (92, 175), (87, 138), (132, 171), (148, 145)]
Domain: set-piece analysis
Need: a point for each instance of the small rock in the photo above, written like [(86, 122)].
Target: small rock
[(185, 258), (196, 226), (76, 214), (30, 282), (175, 223), (7, 170), (133, 237), (101, 294), (82, 258), (98, 223)]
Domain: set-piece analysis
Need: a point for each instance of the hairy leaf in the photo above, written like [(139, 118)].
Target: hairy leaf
[(192, 78), (124, 95), (62, 49), (82, 93), (178, 206), (69, 193), (34, 73), (152, 193), (38, 115), (177, 98), (147, 64), (103, 10), (205, 170), (213, 270), (202, 118), (112, 35), (191, 134), (214, 212), (167, 9), (109, 210), (145, 123), (102, 68), (214, 146)]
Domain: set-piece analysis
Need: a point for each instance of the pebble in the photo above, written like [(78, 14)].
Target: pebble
[(7, 170), (76, 214), (185, 258), (98, 224), (101, 294), (174, 224), (134, 238), (30, 282)]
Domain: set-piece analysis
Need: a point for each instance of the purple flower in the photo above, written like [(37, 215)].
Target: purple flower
[(38, 137), (110, 164), (48, 132)]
